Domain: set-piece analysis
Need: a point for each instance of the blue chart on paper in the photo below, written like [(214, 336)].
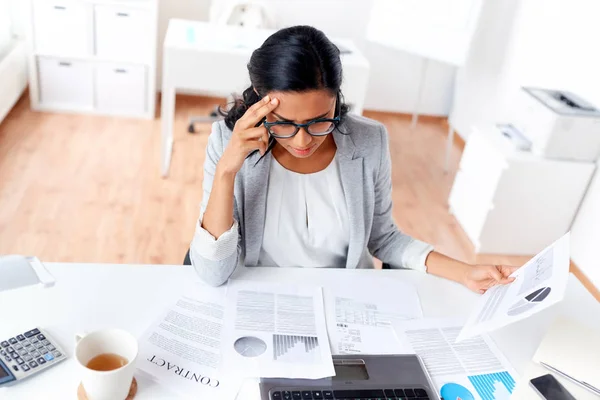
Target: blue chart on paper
[(486, 384), (454, 391)]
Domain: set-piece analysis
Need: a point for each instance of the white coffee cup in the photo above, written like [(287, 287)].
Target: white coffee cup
[(106, 385)]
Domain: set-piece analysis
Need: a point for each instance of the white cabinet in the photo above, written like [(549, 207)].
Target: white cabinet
[(121, 33), (514, 202), (61, 27), (94, 56), (65, 83), (121, 88)]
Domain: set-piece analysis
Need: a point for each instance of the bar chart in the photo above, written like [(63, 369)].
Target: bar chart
[(486, 384), (296, 348)]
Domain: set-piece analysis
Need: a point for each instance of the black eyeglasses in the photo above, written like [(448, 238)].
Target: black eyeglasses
[(288, 129)]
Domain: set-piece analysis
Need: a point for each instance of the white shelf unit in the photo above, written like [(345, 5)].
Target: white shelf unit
[(514, 202), (93, 56)]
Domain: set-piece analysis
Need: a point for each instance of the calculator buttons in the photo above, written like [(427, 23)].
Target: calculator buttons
[(12, 340), (41, 337), (51, 348), (2, 352), (46, 343), (41, 360), (27, 357), (4, 344), (15, 368), (33, 364), (10, 349), (18, 346), (22, 352), (43, 351), (20, 338), (20, 361), (25, 367), (14, 355), (7, 358), (33, 340), (39, 345), (56, 354), (26, 344), (49, 357), (31, 333), (35, 353)]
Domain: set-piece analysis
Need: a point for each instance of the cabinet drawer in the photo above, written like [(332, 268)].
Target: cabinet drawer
[(121, 89), (65, 83), (123, 33), (61, 27)]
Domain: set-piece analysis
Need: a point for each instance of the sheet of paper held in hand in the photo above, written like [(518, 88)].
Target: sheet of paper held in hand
[(182, 349), (473, 369), (540, 283), (360, 314), (276, 330)]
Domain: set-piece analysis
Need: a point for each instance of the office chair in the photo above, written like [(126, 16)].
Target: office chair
[(186, 259)]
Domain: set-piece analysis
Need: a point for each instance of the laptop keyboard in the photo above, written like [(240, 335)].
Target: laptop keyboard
[(370, 394)]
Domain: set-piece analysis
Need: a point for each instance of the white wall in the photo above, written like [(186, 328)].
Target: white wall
[(547, 43), (393, 83), (482, 80)]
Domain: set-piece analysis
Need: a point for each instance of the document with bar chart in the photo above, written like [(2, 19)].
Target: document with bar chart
[(473, 369), (276, 331)]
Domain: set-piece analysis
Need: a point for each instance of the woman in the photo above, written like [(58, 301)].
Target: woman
[(292, 179)]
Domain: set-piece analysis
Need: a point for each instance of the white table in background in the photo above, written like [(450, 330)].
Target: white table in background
[(200, 57), (87, 297)]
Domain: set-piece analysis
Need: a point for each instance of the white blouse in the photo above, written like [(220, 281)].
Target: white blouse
[(306, 225), (306, 222)]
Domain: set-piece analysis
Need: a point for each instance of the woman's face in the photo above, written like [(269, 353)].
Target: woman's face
[(302, 108)]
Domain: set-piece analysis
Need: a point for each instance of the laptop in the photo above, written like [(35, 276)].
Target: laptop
[(375, 377)]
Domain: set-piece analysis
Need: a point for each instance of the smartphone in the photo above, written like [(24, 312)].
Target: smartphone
[(550, 389)]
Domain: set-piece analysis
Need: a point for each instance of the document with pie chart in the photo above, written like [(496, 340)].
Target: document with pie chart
[(538, 284), (277, 330)]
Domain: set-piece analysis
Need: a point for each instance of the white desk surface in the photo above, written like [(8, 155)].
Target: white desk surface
[(205, 36), (93, 296)]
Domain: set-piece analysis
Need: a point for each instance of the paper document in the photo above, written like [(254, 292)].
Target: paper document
[(277, 330), (182, 349), (360, 315), (473, 369), (540, 283)]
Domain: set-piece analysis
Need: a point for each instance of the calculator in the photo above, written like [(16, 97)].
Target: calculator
[(28, 354)]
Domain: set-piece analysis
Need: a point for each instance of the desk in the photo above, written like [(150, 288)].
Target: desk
[(212, 59), (94, 296)]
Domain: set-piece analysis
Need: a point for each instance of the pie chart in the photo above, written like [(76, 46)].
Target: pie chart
[(530, 301), (250, 346), (454, 391)]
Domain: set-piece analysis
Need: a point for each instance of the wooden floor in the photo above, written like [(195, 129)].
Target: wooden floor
[(87, 188)]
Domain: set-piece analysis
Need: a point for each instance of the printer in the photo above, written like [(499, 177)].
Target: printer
[(559, 124)]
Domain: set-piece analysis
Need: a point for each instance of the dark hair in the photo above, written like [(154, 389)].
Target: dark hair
[(298, 59)]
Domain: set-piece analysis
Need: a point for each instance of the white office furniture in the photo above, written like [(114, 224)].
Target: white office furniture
[(87, 297), (432, 29), (93, 56), (559, 124), (514, 202), (211, 59)]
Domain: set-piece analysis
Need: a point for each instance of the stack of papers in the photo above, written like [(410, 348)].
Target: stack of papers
[(210, 339)]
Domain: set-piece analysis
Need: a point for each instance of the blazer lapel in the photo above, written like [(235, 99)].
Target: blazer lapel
[(351, 171), (255, 204)]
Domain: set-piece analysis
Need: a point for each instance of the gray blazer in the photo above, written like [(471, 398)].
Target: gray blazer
[(365, 169)]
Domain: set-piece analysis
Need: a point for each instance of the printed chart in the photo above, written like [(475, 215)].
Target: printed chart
[(295, 348)]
